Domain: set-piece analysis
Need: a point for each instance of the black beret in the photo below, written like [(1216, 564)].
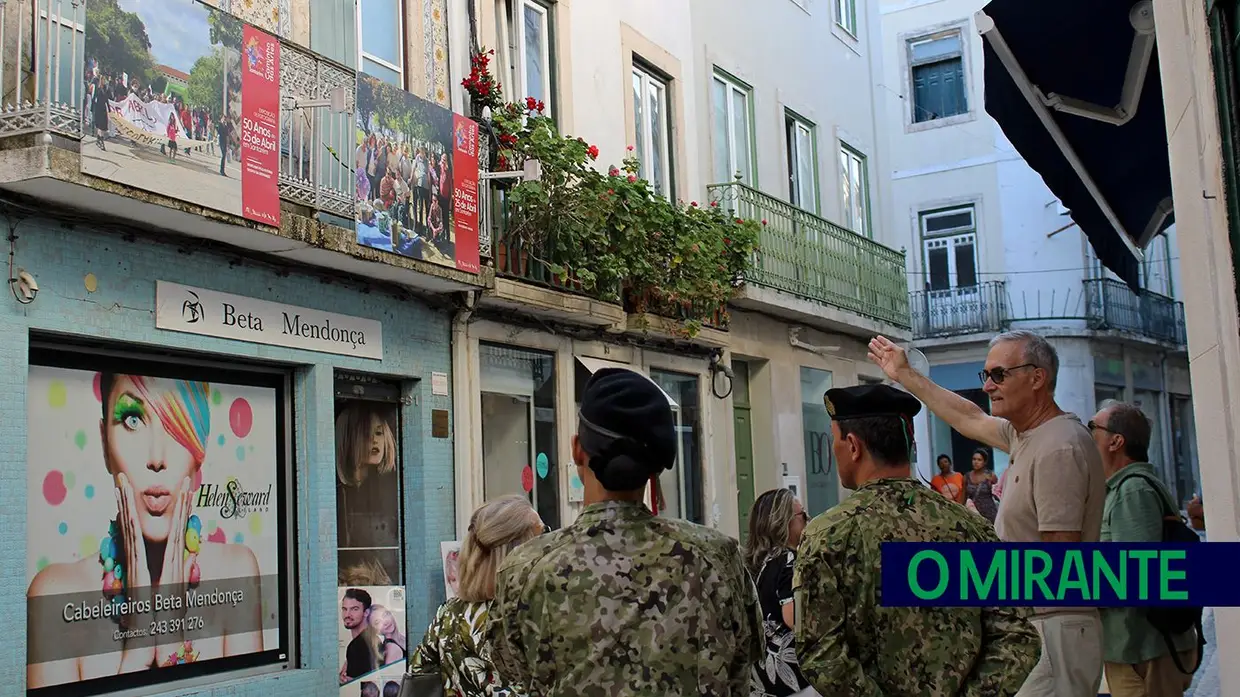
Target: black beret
[(862, 401), (628, 428)]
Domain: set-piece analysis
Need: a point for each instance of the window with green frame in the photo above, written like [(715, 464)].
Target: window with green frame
[(732, 124), (802, 162), (855, 189), (937, 66), (846, 15)]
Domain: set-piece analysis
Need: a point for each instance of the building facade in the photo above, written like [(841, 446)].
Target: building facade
[(721, 123), (992, 249), (235, 304)]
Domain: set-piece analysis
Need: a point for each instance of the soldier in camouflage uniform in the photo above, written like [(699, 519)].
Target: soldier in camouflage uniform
[(848, 643), (622, 602)]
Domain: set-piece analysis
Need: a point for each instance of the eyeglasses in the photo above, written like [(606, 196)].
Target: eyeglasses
[(546, 528), (998, 375), (1094, 426)]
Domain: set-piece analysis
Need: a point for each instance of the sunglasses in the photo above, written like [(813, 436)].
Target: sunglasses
[(998, 375), (1094, 426)]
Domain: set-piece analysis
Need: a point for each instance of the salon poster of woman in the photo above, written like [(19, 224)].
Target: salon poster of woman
[(152, 524)]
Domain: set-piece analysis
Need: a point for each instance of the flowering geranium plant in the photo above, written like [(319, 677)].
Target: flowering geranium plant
[(612, 233), (484, 91)]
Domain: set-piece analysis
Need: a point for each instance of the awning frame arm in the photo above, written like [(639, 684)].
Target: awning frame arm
[(990, 33), (1142, 18)]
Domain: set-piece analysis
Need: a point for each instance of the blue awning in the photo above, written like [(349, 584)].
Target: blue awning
[(1074, 84)]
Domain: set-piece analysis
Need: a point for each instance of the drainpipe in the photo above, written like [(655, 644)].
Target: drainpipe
[(462, 411), (1164, 408)]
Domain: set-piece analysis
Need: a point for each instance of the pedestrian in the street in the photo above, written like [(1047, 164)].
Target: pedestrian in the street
[(624, 603), (1053, 490), (1139, 658), (454, 645), (776, 522), (848, 643)]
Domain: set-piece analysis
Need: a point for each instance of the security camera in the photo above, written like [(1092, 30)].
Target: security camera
[(26, 285)]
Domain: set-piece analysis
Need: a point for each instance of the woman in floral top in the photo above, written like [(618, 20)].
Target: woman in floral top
[(453, 645), (776, 522)]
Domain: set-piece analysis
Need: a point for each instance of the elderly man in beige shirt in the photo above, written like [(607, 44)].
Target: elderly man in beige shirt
[(1053, 491)]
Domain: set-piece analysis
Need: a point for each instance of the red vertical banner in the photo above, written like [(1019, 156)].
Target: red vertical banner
[(465, 192), (260, 127)]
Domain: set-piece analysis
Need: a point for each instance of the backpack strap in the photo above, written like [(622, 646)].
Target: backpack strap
[(1169, 509)]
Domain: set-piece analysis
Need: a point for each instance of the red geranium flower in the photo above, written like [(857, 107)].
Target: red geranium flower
[(593, 151)]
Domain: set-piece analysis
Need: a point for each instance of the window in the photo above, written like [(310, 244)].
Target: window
[(733, 130), (652, 123), (855, 186), (156, 428), (802, 163), (846, 15), (681, 487), (380, 39), (519, 454), (66, 52), (1156, 269), (526, 29), (949, 239), (937, 65)]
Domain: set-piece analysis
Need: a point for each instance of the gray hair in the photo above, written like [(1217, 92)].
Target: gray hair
[(1037, 350)]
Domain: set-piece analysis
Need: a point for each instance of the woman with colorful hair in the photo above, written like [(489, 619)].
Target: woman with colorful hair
[(154, 433)]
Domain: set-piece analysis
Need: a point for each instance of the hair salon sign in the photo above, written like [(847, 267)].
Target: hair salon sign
[(199, 311)]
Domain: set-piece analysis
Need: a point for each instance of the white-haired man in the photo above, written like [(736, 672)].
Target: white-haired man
[(1054, 487)]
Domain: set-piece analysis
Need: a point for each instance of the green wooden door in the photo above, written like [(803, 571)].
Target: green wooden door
[(744, 466)]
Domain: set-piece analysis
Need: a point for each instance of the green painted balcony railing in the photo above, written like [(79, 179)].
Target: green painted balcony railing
[(809, 256)]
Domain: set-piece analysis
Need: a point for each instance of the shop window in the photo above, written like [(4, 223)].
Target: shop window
[(369, 528), (131, 459), (681, 487), (519, 453), (822, 481)]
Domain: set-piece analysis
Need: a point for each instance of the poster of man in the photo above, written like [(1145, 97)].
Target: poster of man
[(413, 161), (164, 84)]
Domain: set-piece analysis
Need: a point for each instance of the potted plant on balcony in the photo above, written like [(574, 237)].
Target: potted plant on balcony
[(610, 233)]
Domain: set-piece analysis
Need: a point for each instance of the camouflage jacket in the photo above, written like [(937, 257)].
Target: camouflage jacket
[(850, 645), (623, 603), (454, 648)]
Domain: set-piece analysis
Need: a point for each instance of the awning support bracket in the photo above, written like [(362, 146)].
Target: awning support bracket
[(1142, 19), (986, 27)]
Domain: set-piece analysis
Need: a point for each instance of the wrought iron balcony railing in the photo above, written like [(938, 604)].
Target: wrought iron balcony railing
[(806, 255), (1110, 304), (956, 311), (43, 90)]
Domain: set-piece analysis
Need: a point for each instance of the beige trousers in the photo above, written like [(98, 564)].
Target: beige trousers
[(1156, 678), (1071, 662)]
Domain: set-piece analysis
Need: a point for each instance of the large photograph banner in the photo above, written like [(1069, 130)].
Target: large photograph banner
[(373, 640), (417, 177), (153, 534), (183, 100)]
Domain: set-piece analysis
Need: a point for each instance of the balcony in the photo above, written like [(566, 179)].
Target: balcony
[(1111, 305), (959, 311), (862, 283), (48, 156)]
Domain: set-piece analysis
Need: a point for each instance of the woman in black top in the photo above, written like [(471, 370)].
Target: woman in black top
[(775, 525)]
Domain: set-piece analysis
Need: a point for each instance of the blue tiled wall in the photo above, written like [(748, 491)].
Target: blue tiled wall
[(416, 343)]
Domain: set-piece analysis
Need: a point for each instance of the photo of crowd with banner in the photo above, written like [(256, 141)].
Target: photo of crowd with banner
[(155, 535), (178, 96), (417, 177)]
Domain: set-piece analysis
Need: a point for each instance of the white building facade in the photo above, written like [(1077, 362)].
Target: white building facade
[(990, 249), (719, 119)]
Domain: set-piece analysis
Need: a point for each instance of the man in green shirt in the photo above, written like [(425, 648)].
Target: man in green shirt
[(1138, 662)]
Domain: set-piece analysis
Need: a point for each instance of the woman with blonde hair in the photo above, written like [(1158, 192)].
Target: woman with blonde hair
[(367, 487), (392, 647), (776, 522), (453, 645)]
